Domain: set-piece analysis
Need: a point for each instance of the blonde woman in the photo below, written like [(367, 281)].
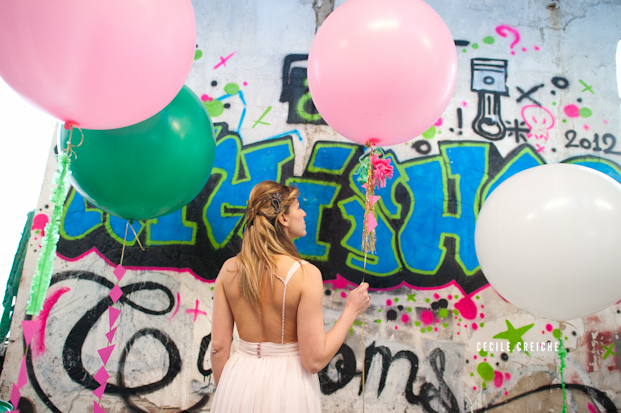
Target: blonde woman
[(275, 299)]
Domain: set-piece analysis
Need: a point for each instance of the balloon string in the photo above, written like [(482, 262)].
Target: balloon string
[(136, 236), (562, 353), (368, 244), (124, 239), (363, 377), (70, 146)]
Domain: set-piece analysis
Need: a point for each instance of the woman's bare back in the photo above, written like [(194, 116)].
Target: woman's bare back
[(266, 326)]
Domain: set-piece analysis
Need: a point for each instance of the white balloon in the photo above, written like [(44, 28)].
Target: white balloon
[(548, 240)]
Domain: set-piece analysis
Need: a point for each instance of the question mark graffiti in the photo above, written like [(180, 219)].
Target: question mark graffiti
[(502, 30)]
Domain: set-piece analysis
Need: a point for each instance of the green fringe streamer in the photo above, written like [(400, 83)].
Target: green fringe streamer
[(362, 172), (45, 265), (562, 353)]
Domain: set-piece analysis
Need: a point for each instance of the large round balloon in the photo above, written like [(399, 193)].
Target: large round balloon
[(382, 71), (548, 238), (149, 169), (98, 64)]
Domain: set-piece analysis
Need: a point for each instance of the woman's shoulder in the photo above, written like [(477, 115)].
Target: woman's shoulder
[(229, 269)]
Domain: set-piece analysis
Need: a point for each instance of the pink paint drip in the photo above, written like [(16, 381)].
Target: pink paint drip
[(389, 302), (343, 294), (196, 311), (177, 307), (405, 318), (586, 127), (427, 317), (572, 111), (474, 326), (592, 408), (502, 30), (549, 327), (39, 223), (38, 347), (339, 283), (498, 379), (436, 296), (507, 376), (439, 122), (467, 308)]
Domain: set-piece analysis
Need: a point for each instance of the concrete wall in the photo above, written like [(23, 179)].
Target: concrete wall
[(431, 304)]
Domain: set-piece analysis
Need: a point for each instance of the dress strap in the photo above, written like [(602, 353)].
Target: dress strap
[(292, 270)]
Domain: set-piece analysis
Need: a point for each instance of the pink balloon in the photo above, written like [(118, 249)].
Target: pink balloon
[(101, 64), (382, 70)]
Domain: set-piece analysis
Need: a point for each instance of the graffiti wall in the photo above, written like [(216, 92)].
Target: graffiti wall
[(536, 84)]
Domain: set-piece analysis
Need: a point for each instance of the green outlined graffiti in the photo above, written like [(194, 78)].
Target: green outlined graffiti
[(315, 196), (426, 215), (301, 106), (172, 224), (235, 177)]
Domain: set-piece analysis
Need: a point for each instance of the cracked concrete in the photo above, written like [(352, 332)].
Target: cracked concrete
[(322, 8)]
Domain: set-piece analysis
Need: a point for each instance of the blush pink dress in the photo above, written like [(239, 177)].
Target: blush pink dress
[(268, 377)]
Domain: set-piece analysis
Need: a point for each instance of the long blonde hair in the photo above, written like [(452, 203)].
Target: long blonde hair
[(264, 237)]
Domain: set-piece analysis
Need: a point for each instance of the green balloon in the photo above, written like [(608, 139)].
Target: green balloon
[(148, 169)]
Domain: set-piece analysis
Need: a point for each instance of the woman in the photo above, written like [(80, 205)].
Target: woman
[(275, 298)]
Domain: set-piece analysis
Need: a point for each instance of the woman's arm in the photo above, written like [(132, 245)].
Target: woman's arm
[(222, 323), (316, 346)]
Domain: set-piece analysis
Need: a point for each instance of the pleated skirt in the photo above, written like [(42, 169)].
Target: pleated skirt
[(267, 378)]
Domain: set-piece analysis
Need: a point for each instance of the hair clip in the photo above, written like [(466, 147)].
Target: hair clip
[(276, 200)]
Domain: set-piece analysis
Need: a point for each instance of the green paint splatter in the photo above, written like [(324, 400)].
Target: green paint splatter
[(491, 355), (430, 133), (488, 40), (483, 353), (464, 50), (485, 371), (416, 323), (378, 321), (211, 288), (422, 330), (456, 312), (553, 103), (396, 299), (443, 312), (460, 319), (477, 297), (556, 333), (37, 231), (444, 325), (471, 374), (439, 132), (475, 45), (198, 54), (484, 385), (215, 107), (482, 325), (427, 300), (456, 296), (231, 88), (564, 120), (379, 310), (585, 112), (409, 309), (429, 328)]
